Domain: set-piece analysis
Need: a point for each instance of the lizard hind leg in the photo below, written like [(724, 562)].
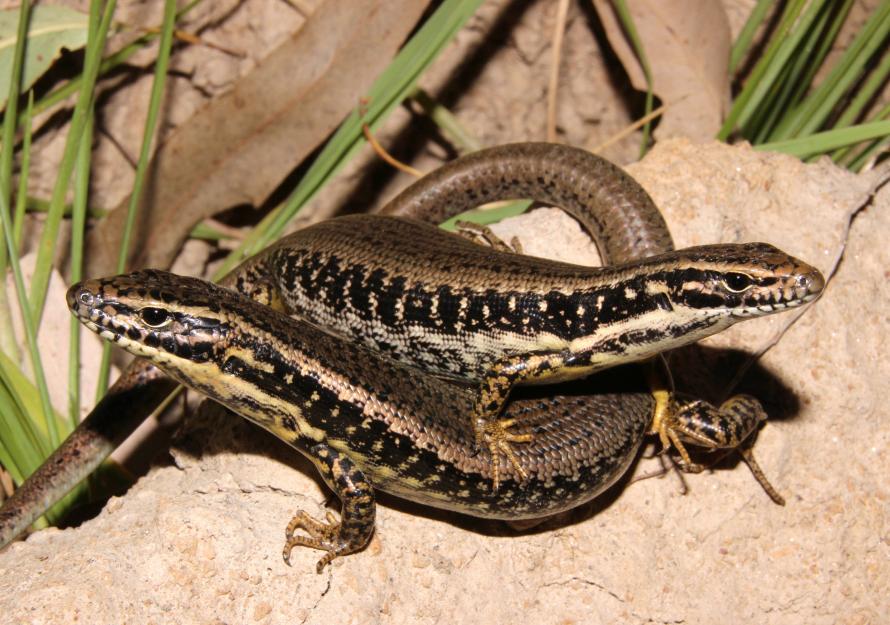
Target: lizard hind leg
[(729, 427), (473, 231), (357, 514)]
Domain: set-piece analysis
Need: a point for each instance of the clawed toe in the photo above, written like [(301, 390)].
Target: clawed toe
[(321, 535)]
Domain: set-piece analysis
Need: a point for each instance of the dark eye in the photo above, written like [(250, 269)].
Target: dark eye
[(155, 317), (737, 282)]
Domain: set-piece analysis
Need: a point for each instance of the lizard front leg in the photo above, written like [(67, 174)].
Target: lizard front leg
[(357, 514), (492, 395)]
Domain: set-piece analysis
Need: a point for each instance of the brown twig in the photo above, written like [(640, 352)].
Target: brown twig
[(559, 26), (629, 129)]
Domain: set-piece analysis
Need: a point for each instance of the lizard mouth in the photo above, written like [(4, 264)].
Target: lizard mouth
[(800, 290), (87, 305)]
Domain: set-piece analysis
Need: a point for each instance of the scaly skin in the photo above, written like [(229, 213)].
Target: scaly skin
[(633, 227), (365, 422), (584, 183)]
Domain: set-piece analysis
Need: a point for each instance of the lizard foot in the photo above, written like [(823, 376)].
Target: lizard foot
[(494, 435), (322, 535)]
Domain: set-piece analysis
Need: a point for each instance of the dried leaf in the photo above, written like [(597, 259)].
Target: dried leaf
[(51, 29), (240, 146), (687, 44)]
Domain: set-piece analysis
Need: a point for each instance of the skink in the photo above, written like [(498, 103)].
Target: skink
[(364, 421), (481, 176)]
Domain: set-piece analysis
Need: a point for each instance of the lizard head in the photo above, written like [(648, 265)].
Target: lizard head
[(737, 281), (154, 314)]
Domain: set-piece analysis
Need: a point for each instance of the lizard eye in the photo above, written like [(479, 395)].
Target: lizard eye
[(737, 282), (155, 317)]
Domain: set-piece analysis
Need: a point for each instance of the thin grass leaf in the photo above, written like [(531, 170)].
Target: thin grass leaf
[(78, 231), (765, 71), (630, 29), (876, 80), (876, 147), (21, 434), (387, 92), (19, 431), (836, 14), (819, 104), (21, 199), (46, 247), (32, 434), (7, 139), (157, 91), (856, 160), (10, 451), (794, 81), (9, 124), (746, 36), (7, 459), (828, 140), (39, 205), (48, 414), (774, 104), (8, 341), (208, 233), (485, 216)]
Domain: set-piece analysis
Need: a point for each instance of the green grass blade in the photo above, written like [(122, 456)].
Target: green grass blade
[(47, 244), (22, 444), (21, 200), (856, 160), (627, 23), (797, 76), (446, 121), (39, 205), (48, 415), (746, 36), (774, 104), (860, 161), (828, 140), (819, 104), (24, 432), (876, 80), (765, 71), (835, 17), (11, 252), (78, 231), (485, 216), (208, 233), (7, 457), (387, 92), (157, 91), (8, 342), (7, 139)]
